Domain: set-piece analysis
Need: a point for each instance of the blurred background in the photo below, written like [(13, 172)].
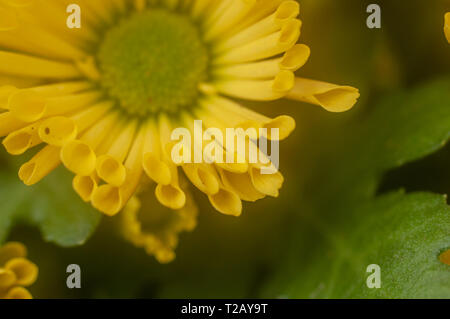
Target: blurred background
[(226, 257)]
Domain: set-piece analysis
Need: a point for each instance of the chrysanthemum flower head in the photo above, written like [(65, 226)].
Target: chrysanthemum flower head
[(103, 100), (16, 272)]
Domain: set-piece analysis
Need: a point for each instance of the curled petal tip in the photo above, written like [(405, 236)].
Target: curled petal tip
[(332, 97)]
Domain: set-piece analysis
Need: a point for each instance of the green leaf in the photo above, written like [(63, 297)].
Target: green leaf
[(51, 205), (401, 128), (403, 234), (344, 226)]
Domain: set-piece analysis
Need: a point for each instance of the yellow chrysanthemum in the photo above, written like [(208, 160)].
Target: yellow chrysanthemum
[(447, 26), (16, 272), (103, 99)]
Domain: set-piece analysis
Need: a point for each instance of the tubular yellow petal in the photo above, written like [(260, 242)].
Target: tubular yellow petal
[(258, 90), (447, 26), (156, 169), (286, 11), (40, 165), (265, 47), (263, 9), (333, 98), (284, 123), (24, 65), (26, 272), (61, 89), (242, 185), (18, 142), (256, 70), (171, 196), (123, 142), (92, 115), (292, 60), (48, 43), (203, 177), (7, 278), (238, 164), (12, 250), (295, 58), (18, 293), (106, 198), (109, 199), (58, 130), (234, 167), (268, 184), (231, 15), (5, 93), (226, 202), (111, 170), (69, 103), (153, 163), (96, 134), (27, 105), (109, 166), (84, 186), (78, 157), (238, 116)]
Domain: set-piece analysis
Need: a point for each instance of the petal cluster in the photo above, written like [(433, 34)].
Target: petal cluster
[(16, 271)]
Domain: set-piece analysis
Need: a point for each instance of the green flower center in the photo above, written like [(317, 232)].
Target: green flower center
[(152, 62)]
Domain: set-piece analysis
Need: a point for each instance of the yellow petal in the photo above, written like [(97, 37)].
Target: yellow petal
[(447, 26), (18, 142), (242, 185), (106, 198), (258, 90), (286, 11), (268, 46), (84, 186), (203, 177), (7, 278), (40, 165), (333, 98), (24, 65), (12, 250), (27, 105), (26, 272), (78, 157), (111, 170), (226, 202), (171, 196), (268, 184), (58, 130), (18, 293)]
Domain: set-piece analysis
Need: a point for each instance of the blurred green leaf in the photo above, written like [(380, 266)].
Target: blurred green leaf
[(344, 227), (51, 205)]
